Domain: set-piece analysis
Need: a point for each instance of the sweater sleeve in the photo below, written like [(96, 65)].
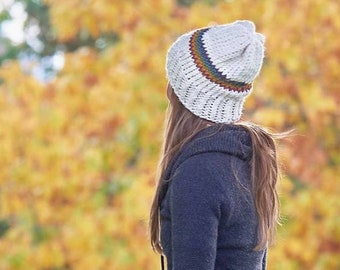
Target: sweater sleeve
[(195, 202)]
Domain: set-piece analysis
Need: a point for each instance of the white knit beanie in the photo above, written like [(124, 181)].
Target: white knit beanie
[(212, 69)]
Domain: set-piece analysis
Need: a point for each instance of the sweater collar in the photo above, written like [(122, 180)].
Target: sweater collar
[(224, 138)]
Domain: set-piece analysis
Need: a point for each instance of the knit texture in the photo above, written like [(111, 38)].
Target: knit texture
[(212, 69), (208, 217)]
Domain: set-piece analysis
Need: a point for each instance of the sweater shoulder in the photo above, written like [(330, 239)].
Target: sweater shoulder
[(210, 168)]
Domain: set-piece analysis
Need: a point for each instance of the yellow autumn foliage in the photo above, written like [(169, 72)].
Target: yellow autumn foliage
[(79, 153)]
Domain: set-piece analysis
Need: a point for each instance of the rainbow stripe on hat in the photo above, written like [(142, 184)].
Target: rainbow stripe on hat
[(207, 68)]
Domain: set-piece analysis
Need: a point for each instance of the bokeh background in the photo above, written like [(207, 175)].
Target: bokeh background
[(82, 103)]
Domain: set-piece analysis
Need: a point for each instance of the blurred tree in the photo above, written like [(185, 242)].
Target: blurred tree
[(188, 3), (40, 42), (79, 152)]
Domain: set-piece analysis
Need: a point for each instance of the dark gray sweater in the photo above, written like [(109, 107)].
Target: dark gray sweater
[(208, 218)]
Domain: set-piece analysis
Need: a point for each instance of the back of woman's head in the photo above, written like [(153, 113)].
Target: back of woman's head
[(210, 73)]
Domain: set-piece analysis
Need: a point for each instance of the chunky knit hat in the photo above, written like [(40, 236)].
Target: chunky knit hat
[(212, 69)]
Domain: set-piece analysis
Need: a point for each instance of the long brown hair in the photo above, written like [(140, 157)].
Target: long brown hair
[(180, 126)]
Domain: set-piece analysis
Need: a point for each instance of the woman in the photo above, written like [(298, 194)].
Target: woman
[(216, 204)]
